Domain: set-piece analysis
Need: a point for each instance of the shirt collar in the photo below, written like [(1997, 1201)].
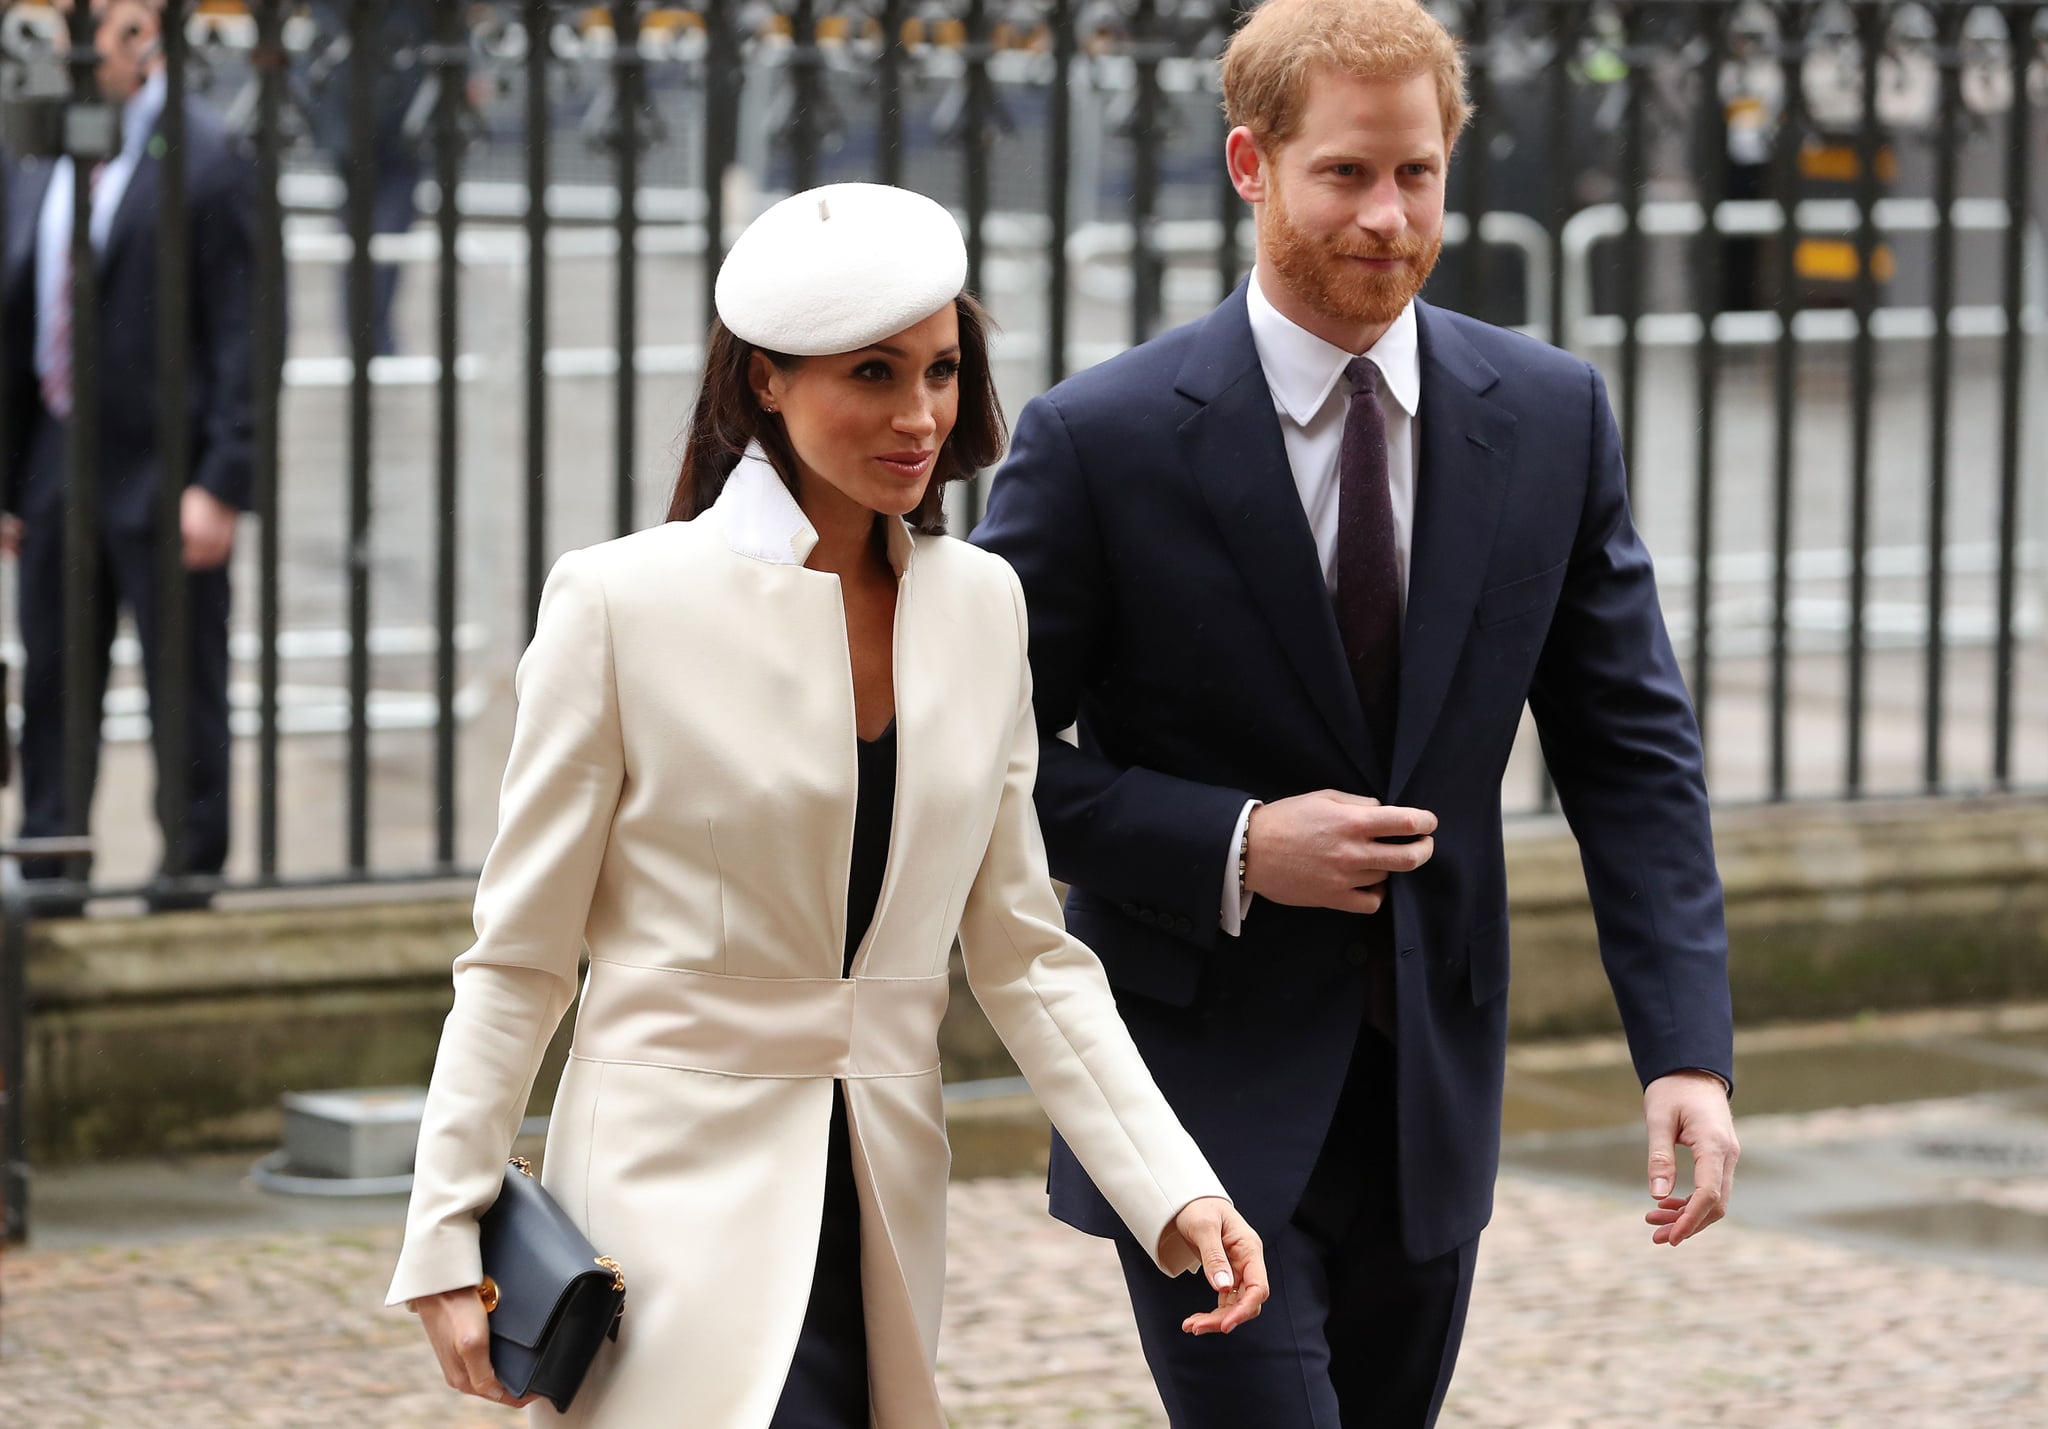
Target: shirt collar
[(138, 119), (1302, 369), (763, 520)]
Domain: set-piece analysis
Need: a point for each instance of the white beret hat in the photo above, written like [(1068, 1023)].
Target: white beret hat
[(834, 269)]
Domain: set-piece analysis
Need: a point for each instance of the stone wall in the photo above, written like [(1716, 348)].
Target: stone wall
[(179, 1031)]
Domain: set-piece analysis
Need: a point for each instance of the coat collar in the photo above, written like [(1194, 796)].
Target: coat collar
[(763, 522)]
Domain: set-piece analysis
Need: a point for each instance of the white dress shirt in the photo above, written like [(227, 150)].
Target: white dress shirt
[(1310, 395), (53, 224)]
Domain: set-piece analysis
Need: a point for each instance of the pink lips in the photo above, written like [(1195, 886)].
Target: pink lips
[(907, 464)]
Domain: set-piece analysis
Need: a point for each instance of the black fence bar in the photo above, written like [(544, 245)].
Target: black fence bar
[(1059, 144), (84, 640), (367, 59), (977, 136), (1940, 379), (271, 61), (889, 95), (170, 689), (629, 77), (722, 78), (1557, 142), (1712, 165), (1635, 96), (1870, 37), (1146, 268), (2019, 22), (539, 22), (1793, 20), (451, 72), (806, 94), (13, 1053), (1477, 267)]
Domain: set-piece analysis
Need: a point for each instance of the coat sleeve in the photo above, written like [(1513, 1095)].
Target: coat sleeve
[(1623, 748), (1045, 994), (1122, 832), (562, 783)]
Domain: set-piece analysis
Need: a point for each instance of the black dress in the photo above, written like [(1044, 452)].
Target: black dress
[(827, 1386)]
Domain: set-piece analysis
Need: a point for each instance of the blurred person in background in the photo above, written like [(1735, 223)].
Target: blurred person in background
[(36, 384)]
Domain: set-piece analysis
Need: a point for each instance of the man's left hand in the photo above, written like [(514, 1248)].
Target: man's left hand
[(1689, 1109), (207, 524)]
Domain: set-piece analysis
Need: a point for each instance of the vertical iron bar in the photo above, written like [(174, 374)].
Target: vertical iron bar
[(979, 137), (1792, 20), (272, 65), (1145, 266), (170, 703), (540, 26), (2018, 201), (1940, 396), (721, 135), (889, 95), (1230, 208), (13, 1053), (1058, 189), (1713, 170), (1557, 146), (804, 82), (84, 646), (1478, 267), (1632, 240), (367, 62), (451, 66), (1870, 23), (627, 73), (978, 134)]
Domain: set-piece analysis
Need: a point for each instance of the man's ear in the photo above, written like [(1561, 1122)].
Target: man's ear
[(1246, 164)]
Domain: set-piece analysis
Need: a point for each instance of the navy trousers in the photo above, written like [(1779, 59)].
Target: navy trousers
[(127, 576), (1354, 1336)]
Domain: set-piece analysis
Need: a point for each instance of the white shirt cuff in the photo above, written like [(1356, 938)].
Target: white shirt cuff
[(1235, 903)]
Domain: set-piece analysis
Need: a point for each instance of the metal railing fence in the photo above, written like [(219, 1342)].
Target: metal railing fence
[(1803, 239)]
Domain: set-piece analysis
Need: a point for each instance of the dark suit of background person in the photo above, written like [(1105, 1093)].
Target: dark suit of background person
[(399, 71), (220, 188), (1179, 612)]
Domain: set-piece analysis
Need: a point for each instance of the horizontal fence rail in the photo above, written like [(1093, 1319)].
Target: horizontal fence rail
[(1805, 242)]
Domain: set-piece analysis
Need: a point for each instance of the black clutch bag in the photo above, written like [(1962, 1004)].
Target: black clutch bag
[(552, 1299)]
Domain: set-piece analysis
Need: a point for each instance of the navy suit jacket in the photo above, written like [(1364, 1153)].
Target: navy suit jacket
[(1178, 612), (220, 190)]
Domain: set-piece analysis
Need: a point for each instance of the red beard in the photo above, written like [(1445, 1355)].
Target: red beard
[(1319, 269)]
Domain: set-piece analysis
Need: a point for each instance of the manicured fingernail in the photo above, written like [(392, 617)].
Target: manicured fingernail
[(1661, 1186), (1223, 1280)]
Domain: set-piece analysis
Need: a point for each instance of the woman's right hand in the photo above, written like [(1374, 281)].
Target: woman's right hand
[(461, 1335)]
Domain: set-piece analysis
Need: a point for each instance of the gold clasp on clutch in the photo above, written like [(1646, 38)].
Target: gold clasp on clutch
[(618, 1275), (525, 1166), (488, 1293)]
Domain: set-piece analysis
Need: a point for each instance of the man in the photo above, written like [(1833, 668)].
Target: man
[(35, 382), (1295, 570)]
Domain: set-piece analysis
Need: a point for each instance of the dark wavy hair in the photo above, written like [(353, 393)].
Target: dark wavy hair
[(728, 417)]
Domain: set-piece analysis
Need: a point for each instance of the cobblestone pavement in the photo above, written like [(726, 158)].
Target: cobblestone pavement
[(1577, 1323)]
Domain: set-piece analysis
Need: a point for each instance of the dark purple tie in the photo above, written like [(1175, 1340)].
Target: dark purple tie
[(1368, 573)]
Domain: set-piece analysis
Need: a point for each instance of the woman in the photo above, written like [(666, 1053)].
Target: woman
[(770, 758)]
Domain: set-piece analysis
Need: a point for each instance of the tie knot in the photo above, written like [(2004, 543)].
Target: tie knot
[(1364, 375)]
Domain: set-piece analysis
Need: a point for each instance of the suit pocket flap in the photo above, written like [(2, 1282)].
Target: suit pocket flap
[(1517, 598), (1134, 957)]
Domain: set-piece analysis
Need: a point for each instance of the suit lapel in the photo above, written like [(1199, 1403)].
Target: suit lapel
[(138, 204), (1233, 446), (1468, 445)]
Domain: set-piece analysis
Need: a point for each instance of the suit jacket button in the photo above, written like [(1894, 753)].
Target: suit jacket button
[(1183, 925), (1129, 908), (1148, 917)]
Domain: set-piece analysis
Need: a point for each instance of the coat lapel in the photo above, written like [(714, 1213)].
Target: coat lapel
[(1468, 445), (1233, 446), (138, 204)]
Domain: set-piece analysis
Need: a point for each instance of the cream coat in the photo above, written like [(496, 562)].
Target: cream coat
[(679, 799)]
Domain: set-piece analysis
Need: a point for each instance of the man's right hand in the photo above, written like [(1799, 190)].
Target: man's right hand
[(461, 1334), (1329, 850), (11, 531)]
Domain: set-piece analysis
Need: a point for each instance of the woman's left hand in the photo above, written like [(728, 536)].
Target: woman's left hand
[(1233, 1262)]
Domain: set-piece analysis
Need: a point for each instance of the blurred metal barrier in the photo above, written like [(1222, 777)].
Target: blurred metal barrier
[(1853, 153)]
